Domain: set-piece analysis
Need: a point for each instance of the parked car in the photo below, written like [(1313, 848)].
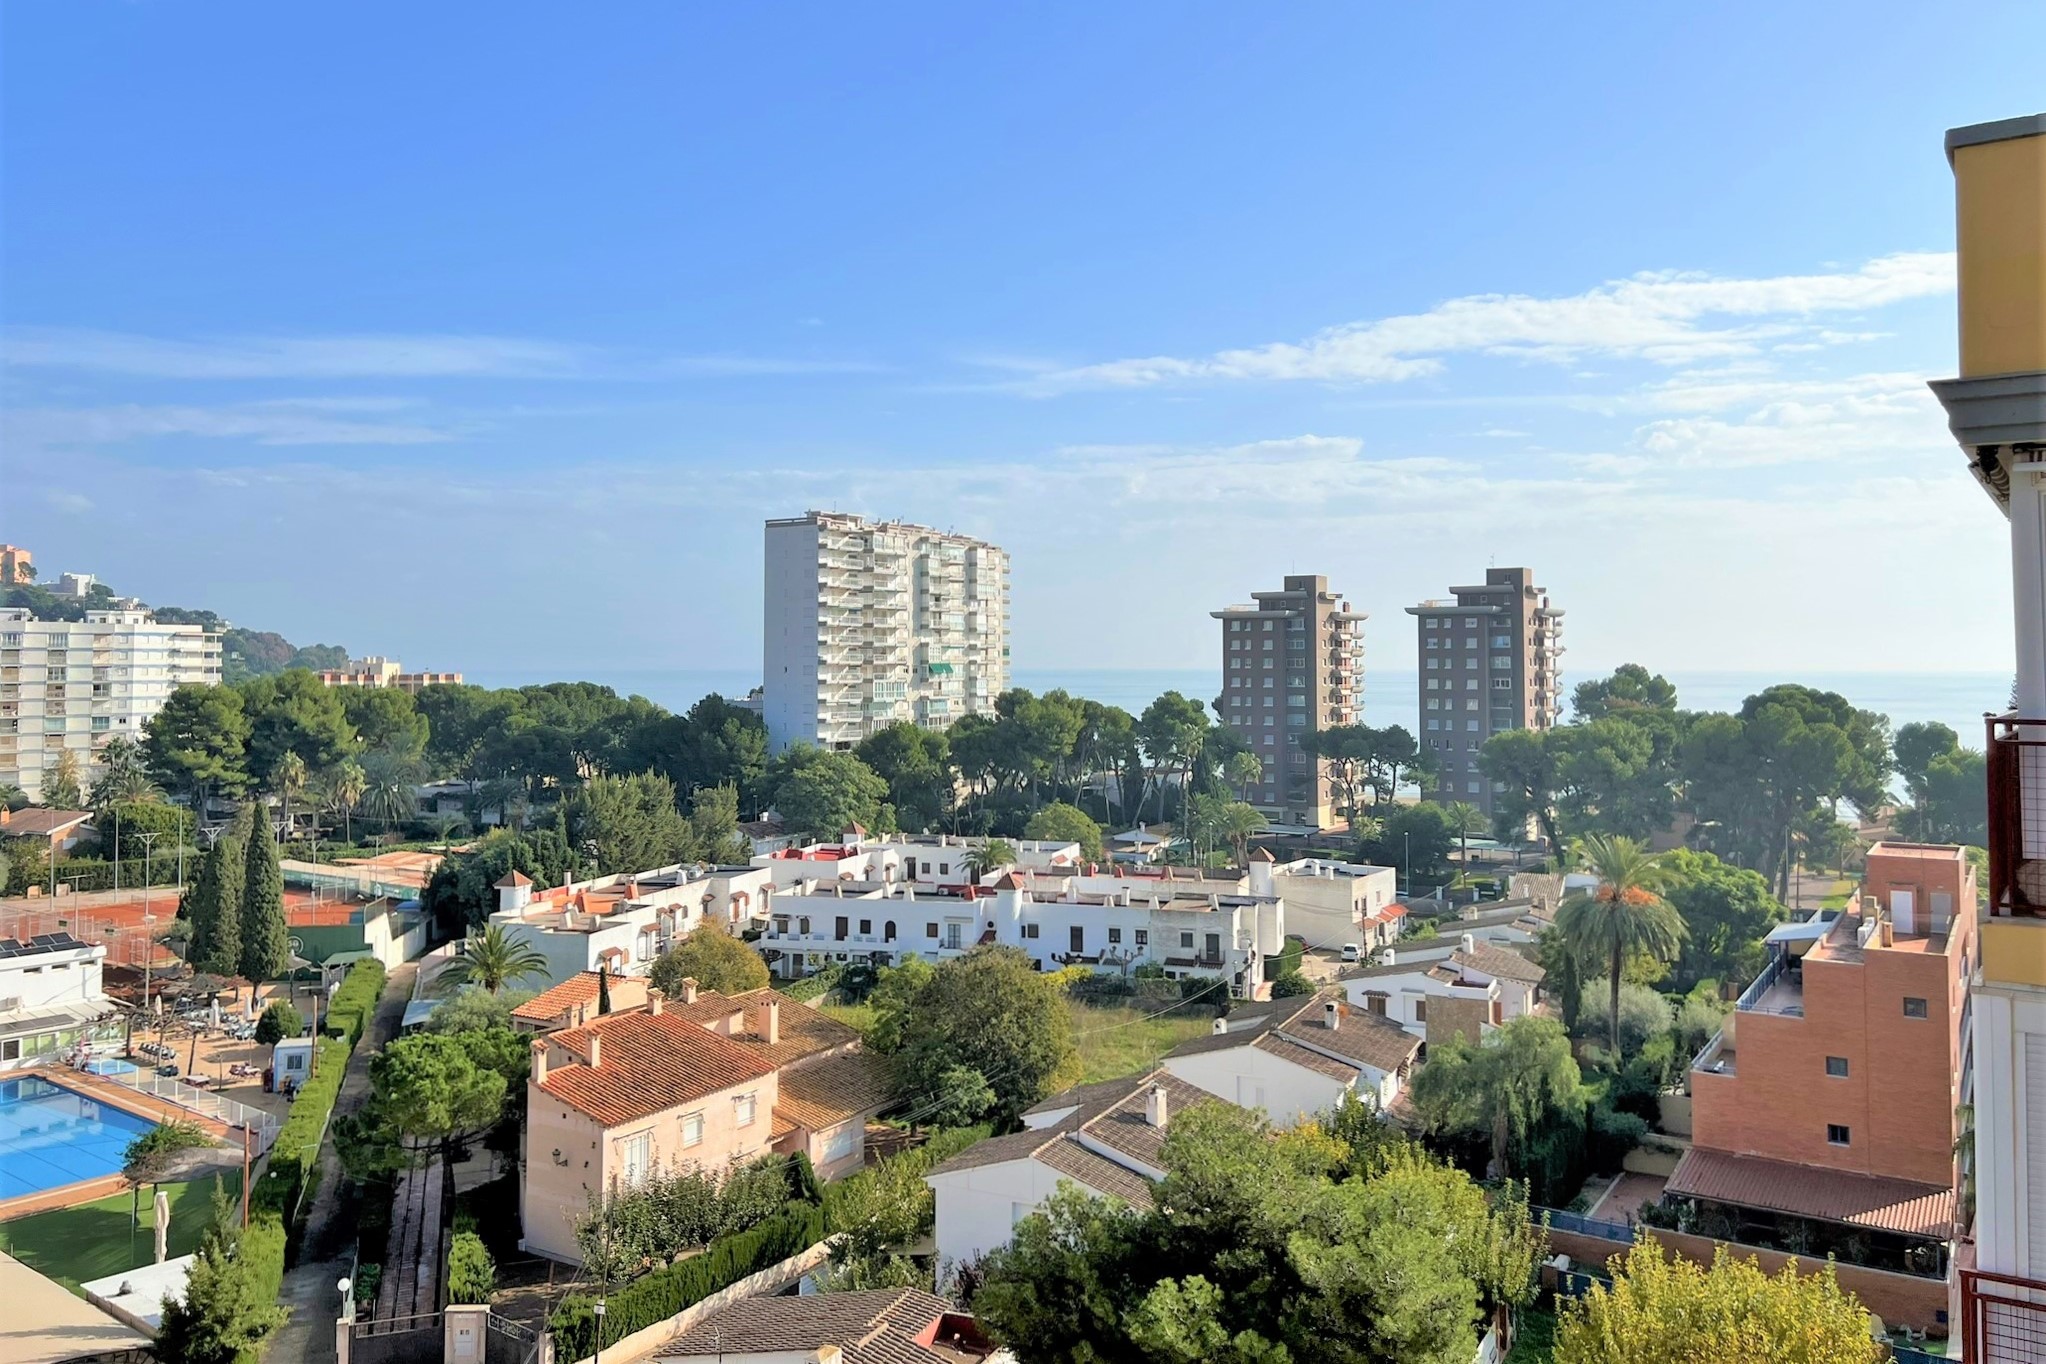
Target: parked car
[(1353, 951)]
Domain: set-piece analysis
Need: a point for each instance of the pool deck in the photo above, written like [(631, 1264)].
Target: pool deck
[(113, 1095)]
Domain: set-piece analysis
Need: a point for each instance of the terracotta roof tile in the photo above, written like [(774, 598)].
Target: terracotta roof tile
[(1288, 1050), (647, 1063), (805, 1031), (1359, 1035), (1502, 962), (826, 1092), (1096, 1171), (1825, 1194), (1124, 1127), (871, 1326), (551, 1003)]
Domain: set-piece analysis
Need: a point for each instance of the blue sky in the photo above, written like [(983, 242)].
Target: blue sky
[(487, 334)]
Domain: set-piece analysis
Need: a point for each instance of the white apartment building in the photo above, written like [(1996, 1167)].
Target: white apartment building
[(73, 685), (50, 998), (1189, 926), (867, 623), (623, 922)]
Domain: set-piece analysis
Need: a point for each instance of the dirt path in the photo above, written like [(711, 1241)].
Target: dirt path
[(323, 1260)]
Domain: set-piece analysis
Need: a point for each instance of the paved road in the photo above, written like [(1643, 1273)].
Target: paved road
[(330, 1230)]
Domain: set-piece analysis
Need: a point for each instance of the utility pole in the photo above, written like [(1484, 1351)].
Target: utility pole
[(148, 919)]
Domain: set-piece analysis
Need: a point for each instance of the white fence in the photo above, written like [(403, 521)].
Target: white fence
[(262, 1126)]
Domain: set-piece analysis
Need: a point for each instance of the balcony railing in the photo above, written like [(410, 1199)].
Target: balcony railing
[(2003, 1318), (2017, 816), (1778, 990)]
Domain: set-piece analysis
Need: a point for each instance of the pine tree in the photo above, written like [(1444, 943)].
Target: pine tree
[(217, 908), (222, 1317), (265, 945)]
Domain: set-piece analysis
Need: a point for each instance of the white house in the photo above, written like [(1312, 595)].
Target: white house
[(1329, 903), (50, 998), (1104, 1138), (1109, 922), (935, 860), (1467, 990), (626, 921), (1296, 1057)]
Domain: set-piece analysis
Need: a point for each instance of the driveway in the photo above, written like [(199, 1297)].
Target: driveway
[(326, 1251)]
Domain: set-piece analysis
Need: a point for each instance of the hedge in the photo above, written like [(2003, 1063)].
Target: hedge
[(655, 1297), (355, 1003), (811, 988), (293, 1173)]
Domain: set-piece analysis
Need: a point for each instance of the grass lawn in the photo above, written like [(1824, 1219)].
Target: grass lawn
[(1118, 1042), (1536, 1343), (93, 1240)]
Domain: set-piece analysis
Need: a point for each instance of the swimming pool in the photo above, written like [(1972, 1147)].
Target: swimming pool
[(110, 1065), (51, 1136)]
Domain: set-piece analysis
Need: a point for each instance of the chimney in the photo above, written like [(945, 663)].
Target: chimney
[(596, 1050), (689, 989), (1221, 1027), (770, 1023), (1469, 942), (1154, 1106), (539, 1062), (1331, 1015), (655, 1001)]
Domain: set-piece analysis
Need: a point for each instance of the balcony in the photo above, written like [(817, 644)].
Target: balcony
[(1778, 990), (2017, 817)]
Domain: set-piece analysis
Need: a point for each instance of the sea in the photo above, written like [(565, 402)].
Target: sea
[(1958, 699)]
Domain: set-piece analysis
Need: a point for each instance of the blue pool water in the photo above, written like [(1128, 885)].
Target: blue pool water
[(51, 1136), (110, 1065)]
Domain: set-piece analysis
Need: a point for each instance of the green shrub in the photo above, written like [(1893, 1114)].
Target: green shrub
[(843, 1194), (472, 1275), (1288, 962), (278, 1022), (803, 1185), (1289, 983), (811, 988), (368, 1278), (657, 1296)]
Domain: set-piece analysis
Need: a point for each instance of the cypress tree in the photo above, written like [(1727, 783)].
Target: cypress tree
[(266, 944), (217, 908), (603, 988)]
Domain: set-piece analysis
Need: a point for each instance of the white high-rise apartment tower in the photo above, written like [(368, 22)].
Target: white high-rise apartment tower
[(74, 685), (870, 622)]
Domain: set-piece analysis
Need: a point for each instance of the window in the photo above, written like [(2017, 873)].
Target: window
[(744, 1109), (1471, 725), (1502, 684), (1837, 1134), (1076, 939), (1030, 930), (867, 927), (1186, 940), (692, 1129), (1421, 1009), (1115, 935), (1836, 1066), (1914, 1007), (636, 1154), (1143, 937), (1434, 723), (930, 930)]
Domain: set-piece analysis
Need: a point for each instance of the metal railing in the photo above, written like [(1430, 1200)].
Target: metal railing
[(262, 1126), (1760, 985), (1585, 1226), (2003, 1318)]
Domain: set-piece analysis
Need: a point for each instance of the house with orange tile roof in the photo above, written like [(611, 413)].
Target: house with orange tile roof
[(575, 1002), (702, 1080), (624, 921)]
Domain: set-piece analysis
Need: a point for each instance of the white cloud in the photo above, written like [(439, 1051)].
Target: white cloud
[(375, 356), (285, 422), (1664, 317), (65, 501)]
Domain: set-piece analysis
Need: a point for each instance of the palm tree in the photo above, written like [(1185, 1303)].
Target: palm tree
[(1622, 916), (290, 779), (990, 856), (344, 792), (492, 961), (1240, 823), (1464, 816), (389, 801), (123, 775)]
